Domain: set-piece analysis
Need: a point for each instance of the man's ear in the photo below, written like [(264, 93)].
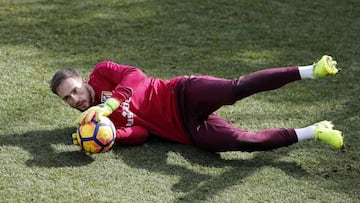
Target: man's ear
[(84, 80)]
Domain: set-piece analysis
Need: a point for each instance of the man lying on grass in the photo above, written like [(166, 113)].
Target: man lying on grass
[(182, 109)]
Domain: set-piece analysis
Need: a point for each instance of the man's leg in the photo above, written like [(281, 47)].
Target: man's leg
[(204, 94), (217, 135)]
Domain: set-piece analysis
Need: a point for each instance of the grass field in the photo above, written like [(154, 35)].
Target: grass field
[(166, 38)]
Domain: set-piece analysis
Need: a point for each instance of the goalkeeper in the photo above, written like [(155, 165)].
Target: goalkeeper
[(182, 109)]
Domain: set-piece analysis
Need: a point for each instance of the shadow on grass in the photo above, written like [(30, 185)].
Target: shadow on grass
[(40, 144), (158, 156)]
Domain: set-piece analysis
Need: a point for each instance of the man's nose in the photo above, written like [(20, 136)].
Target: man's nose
[(73, 99)]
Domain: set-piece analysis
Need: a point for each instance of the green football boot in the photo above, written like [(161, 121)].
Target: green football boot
[(324, 67), (324, 131)]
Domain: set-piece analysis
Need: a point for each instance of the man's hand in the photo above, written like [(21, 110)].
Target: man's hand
[(104, 109), (75, 141)]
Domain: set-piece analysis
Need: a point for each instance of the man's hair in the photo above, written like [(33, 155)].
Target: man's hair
[(60, 76)]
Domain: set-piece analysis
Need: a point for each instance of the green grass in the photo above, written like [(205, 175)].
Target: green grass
[(167, 38)]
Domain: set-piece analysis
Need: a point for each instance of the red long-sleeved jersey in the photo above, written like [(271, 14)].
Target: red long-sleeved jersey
[(148, 105)]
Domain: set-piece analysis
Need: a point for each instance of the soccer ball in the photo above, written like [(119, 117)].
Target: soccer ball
[(96, 136)]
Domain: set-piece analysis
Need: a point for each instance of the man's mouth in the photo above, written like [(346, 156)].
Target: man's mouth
[(81, 105)]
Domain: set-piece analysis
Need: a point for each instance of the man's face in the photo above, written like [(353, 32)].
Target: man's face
[(77, 93)]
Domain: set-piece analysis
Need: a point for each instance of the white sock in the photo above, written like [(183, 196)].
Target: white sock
[(305, 133), (306, 72)]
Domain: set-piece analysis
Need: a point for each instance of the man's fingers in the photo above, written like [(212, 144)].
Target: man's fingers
[(97, 116), (89, 116), (75, 140)]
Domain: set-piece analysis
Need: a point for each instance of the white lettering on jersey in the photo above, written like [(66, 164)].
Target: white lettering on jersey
[(127, 113), (125, 107)]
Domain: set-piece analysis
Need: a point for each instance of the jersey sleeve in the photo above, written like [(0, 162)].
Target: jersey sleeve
[(126, 78), (134, 135)]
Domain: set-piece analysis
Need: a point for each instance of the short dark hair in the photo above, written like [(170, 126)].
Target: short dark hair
[(60, 76)]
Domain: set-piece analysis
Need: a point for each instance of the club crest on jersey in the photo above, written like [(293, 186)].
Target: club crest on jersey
[(105, 95)]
